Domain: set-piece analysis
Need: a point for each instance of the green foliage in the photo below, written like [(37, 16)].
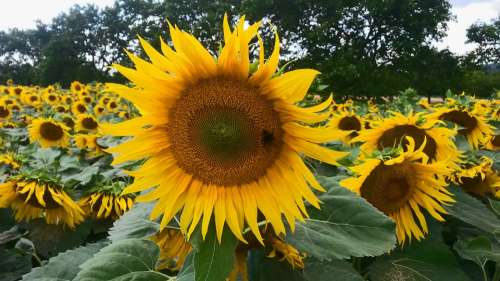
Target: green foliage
[(345, 226), (319, 271), (134, 224)]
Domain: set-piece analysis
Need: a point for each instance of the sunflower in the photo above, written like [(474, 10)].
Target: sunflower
[(401, 186), (112, 105), (104, 100), (68, 121), (479, 178), (61, 108), (76, 87), (87, 123), (67, 99), (104, 205), (48, 133), (391, 132), (220, 140), (348, 122), (87, 99), (9, 158), (51, 98), (4, 112), (173, 249), (78, 108), (123, 115), (17, 91), (99, 110), (493, 143), (31, 199), (473, 126)]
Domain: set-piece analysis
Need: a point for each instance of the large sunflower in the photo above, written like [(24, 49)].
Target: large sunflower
[(401, 186), (473, 126), (391, 132), (32, 199), (219, 140), (49, 133)]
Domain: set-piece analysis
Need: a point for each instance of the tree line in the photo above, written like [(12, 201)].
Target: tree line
[(362, 48)]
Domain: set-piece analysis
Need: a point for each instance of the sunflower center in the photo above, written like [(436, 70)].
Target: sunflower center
[(51, 131), (68, 122), (224, 132), (4, 112), (81, 108), (349, 123), (52, 98), (396, 135), (388, 188), (33, 98), (89, 123), (462, 119)]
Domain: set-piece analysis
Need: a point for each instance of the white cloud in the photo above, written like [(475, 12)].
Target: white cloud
[(24, 13), (467, 14)]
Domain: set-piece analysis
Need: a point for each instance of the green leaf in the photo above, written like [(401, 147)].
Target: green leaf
[(420, 261), (495, 206), (51, 239), (345, 226), (130, 259), (134, 224), (478, 249), (262, 268), (472, 211), (315, 270), (213, 261), (13, 264), (187, 271), (64, 266), (83, 177)]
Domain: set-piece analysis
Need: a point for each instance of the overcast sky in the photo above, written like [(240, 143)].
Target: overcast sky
[(24, 13)]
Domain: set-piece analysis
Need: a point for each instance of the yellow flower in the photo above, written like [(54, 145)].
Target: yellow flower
[(493, 143), (51, 98), (402, 186), (112, 105), (473, 126), (78, 108), (4, 112), (391, 132), (479, 178), (9, 158), (48, 133), (101, 205), (173, 249), (86, 123), (76, 87), (348, 122), (99, 110), (32, 200), (219, 141)]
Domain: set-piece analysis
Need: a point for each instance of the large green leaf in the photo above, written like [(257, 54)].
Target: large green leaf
[(478, 249), (262, 268), (315, 270), (130, 259), (134, 224), (13, 264), (213, 261), (64, 266), (428, 260), (345, 226), (472, 211)]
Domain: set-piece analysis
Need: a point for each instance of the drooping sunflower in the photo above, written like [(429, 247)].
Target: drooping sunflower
[(390, 132), (86, 123), (48, 133), (173, 249), (347, 121), (479, 178), (400, 187), (32, 199), (493, 143), (9, 158), (104, 205), (221, 141), (473, 126)]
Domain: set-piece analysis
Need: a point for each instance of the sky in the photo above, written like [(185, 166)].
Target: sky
[(23, 14)]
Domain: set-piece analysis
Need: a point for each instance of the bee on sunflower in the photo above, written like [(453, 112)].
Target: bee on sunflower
[(392, 131), (477, 177), (48, 133), (401, 185), (39, 197), (471, 125), (219, 139)]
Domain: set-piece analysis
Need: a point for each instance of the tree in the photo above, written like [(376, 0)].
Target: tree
[(487, 38)]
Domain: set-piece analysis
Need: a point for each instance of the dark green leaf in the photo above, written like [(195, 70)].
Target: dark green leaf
[(495, 206), (13, 264), (134, 224), (478, 249), (345, 226), (315, 270), (130, 259), (262, 268), (64, 266)]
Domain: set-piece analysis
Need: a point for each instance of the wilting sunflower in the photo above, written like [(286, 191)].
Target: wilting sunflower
[(473, 126), (479, 178), (48, 133), (493, 143), (401, 186), (79, 108), (219, 140), (32, 199), (173, 249), (391, 132), (348, 122), (86, 123), (9, 158), (106, 205)]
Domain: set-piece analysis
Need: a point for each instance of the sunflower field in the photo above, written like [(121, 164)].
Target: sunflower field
[(228, 166)]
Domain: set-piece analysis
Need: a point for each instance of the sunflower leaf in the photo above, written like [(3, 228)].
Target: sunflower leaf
[(64, 266), (263, 268), (419, 261), (213, 261), (472, 211), (13, 264), (134, 224), (346, 226), (315, 270), (130, 259)]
